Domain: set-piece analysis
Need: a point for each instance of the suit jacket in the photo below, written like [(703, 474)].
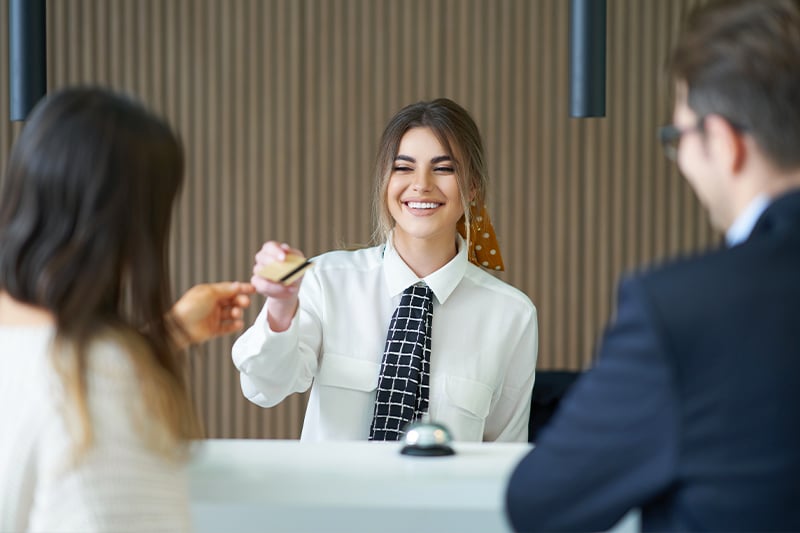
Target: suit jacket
[(692, 409)]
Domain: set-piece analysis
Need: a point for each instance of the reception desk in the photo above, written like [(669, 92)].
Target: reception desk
[(289, 486), (264, 486)]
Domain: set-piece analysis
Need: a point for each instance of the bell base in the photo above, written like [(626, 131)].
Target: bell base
[(427, 451)]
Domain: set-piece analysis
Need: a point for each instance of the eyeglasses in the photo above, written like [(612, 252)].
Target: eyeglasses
[(670, 137)]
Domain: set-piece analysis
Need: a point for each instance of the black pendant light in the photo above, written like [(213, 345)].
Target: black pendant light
[(27, 61)]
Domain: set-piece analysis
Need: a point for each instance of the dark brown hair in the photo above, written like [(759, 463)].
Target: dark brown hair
[(740, 59), (85, 214)]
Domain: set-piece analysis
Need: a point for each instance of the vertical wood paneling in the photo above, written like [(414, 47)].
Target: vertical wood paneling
[(280, 104), (8, 130)]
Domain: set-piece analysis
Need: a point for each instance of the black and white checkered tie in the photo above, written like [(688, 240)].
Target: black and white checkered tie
[(405, 373)]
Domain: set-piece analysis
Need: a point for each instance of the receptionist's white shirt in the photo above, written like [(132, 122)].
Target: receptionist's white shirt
[(483, 348)]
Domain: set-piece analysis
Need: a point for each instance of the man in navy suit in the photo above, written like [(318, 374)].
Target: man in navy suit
[(691, 412)]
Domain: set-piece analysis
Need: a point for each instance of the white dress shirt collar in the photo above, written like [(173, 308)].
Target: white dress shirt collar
[(442, 282), (743, 225)]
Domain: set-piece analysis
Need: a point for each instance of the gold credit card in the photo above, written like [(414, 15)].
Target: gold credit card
[(287, 271)]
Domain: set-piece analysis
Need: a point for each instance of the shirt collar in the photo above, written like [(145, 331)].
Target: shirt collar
[(442, 282), (743, 225)]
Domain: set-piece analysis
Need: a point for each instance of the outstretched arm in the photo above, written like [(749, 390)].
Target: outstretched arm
[(209, 310)]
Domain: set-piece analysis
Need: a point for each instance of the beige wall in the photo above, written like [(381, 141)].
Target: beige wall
[(281, 102)]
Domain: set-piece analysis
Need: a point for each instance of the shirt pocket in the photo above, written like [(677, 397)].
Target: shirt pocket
[(472, 397), (348, 373), (464, 408)]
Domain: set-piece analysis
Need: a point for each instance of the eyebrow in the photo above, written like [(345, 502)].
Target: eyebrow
[(437, 159)]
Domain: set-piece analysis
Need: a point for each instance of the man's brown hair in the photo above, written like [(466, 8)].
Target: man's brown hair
[(740, 59)]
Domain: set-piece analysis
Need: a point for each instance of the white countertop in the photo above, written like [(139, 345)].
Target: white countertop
[(289, 486)]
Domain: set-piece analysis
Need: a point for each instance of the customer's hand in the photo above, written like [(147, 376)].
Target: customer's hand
[(210, 310)]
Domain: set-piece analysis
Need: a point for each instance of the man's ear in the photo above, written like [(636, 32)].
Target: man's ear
[(726, 144)]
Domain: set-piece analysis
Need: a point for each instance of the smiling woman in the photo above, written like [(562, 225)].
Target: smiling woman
[(423, 198), (461, 345)]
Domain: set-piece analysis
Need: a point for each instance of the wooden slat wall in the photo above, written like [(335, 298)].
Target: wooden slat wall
[(281, 102)]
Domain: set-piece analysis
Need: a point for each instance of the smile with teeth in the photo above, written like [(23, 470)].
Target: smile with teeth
[(423, 205)]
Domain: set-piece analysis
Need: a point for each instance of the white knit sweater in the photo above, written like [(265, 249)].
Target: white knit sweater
[(120, 485)]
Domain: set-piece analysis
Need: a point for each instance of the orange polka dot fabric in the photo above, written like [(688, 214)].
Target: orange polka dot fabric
[(483, 248)]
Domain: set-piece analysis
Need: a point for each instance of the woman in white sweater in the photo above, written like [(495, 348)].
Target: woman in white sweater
[(94, 408)]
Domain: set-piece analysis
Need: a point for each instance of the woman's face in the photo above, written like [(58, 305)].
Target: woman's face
[(423, 194)]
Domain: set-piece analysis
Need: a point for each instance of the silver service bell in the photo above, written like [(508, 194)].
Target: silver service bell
[(427, 439)]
